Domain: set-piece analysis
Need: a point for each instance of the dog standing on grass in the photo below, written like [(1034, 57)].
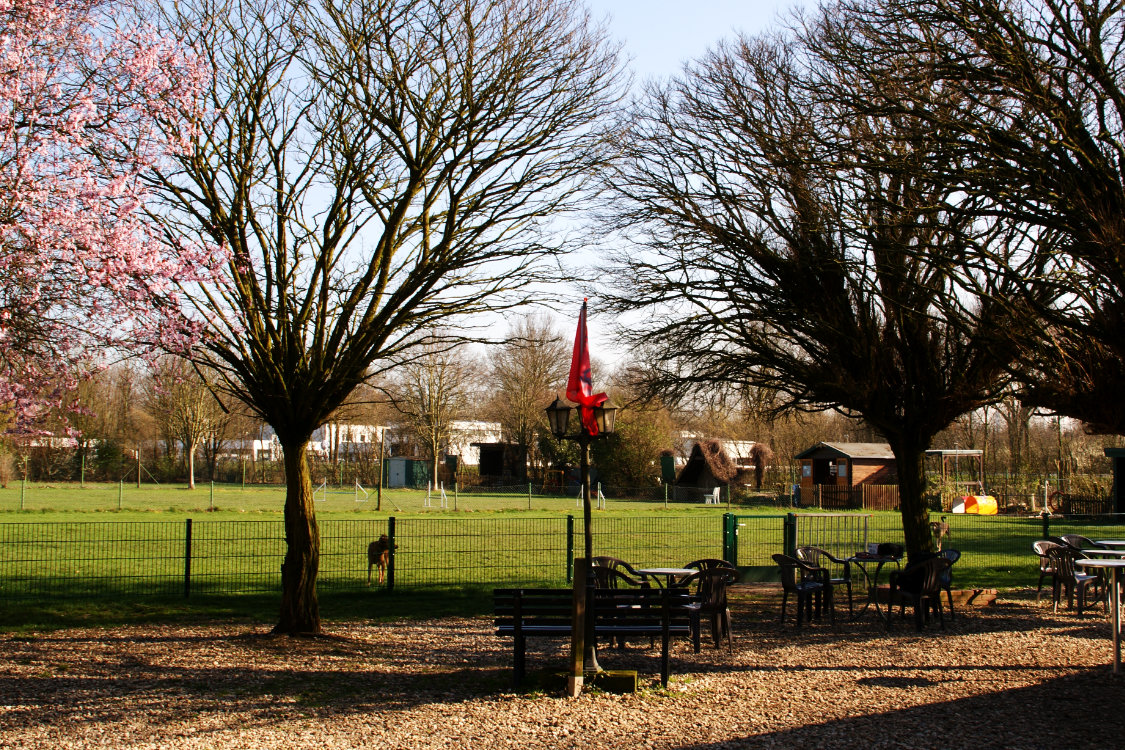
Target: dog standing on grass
[(379, 556), (940, 530)]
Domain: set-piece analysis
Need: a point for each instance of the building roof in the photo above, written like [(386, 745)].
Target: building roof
[(848, 450)]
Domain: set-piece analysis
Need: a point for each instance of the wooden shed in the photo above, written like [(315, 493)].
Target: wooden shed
[(847, 464)]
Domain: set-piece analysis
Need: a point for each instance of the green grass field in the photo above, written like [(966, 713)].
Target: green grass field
[(66, 543), (60, 500)]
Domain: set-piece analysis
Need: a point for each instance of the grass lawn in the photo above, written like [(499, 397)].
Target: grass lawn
[(73, 543)]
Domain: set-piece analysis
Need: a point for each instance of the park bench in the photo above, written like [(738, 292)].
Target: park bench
[(617, 614)]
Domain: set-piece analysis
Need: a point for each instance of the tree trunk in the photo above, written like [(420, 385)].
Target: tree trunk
[(300, 611), (190, 449), (909, 458)]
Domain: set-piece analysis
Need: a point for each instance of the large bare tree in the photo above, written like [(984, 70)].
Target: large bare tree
[(794, 245), (376, 168), (1036, 134)]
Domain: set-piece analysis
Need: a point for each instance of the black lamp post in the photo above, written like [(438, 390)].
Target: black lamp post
[(605, 416), (558, 415)]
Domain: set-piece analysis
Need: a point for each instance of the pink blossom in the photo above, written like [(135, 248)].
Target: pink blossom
[(79, 266)]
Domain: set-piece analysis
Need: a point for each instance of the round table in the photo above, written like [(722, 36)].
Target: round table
[(1115, 600), (871, 581), (1105, 552), (670, 574), (1111, 542)]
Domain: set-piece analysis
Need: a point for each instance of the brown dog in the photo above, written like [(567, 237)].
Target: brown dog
[(378, 555), (940, 530)]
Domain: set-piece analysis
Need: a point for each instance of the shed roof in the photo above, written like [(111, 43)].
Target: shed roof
[(708, 453), (848, 450)]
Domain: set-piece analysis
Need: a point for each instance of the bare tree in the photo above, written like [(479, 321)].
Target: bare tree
[(183, 403), (1037, 134), (524, 371), (433, 391), (376, 169), (794, 245)]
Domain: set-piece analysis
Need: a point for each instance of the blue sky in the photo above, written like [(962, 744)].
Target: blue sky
[(660, 35)]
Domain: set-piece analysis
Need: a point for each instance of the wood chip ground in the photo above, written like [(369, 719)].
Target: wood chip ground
[(1010, 675)]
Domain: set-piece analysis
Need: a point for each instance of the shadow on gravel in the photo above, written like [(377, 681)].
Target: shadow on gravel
[(1073, 711)]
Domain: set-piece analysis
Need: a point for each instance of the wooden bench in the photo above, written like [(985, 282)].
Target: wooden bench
[(617, 614)]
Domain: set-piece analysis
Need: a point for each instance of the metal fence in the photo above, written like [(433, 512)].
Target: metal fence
[(230, 557)]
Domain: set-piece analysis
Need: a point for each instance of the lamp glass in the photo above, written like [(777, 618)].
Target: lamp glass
[(606, 417), (558, 416)]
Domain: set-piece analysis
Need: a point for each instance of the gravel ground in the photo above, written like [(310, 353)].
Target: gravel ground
[(1010, 675)]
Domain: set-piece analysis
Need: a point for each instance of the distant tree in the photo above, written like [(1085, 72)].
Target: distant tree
[(524, 373), (184, 404), (793, 245), (762, 456), (629, 458), (433, 391)]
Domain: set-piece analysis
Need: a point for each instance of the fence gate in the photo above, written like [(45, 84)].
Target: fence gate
[(841, 534)]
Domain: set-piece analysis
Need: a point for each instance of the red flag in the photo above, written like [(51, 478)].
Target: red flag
[(581, 383)]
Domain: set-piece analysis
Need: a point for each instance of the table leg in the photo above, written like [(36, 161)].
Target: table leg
[(1116, 599)]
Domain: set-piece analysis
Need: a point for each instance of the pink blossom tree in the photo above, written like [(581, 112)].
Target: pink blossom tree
[(91, 101)]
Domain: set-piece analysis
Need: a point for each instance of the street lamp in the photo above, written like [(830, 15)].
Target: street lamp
[(605, 418)]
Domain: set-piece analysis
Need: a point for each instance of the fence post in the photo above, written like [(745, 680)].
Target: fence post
[(120, 492), (391, 553), (730, 538), (569, 548), (789, 534), (529, 495), (187, 558), (1046, 516)]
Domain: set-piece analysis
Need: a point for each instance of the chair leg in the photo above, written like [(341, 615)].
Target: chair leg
[(784, 599), (1039, 586)]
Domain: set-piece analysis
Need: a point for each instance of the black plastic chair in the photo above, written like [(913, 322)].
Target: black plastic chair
[(808, 584), (952, 556), (1046, 567), (612, 573), (1077, 541), (919, 585), (709, 563), (818, 557), (710, 589), (1067, 577)]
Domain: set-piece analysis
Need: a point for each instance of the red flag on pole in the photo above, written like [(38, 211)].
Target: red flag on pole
[(580, 386)]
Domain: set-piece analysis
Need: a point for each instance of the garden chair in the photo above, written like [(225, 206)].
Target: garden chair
[(709, 563), (818, 557), (613, 573), (952, 556), (1067, 577), (1077, 541), (1046, 568), (806, 583), (919, 585), (710, 588)]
